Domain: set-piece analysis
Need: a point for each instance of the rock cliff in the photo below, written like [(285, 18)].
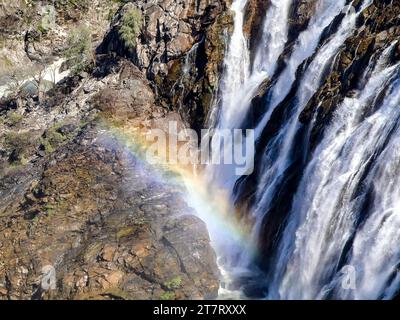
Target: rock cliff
[(77, 198)]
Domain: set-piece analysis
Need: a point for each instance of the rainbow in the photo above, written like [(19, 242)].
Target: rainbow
[(211, 203)]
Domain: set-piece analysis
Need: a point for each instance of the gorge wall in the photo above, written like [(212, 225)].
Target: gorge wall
[(77, 196)]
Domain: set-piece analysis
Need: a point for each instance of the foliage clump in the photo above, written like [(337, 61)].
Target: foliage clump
[(131, 26), (55, 138), (13, 118), (167, 296), (80, 52), (174, 283), (18, 146), (71, 9)]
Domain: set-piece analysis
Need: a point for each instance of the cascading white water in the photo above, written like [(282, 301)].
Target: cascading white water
[(323, 205), (356, 159), (274, 165), (236, 67), (375, 251), (276, 30), (239, 83), (305, 46), (51, 73), (273, 40)]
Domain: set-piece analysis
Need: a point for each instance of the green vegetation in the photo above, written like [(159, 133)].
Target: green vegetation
[(65, 5), (170, 286), (53, 138), (80, 52), (18, 145), (13, 118), (167, 296), (174, 283), (50, 210), (42, 29), (4, 59), (131, 27)]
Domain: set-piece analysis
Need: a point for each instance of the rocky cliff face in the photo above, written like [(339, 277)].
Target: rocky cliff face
[(36, 31), (82, 202), (77, 199), (180, 49)]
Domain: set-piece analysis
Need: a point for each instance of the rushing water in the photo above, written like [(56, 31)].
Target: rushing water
[(51, 73), (344, 213), (325, 208)]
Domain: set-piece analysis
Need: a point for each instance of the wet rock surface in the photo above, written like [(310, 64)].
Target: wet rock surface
[(300, 14), (108, 226), (253, 20), (170, 29)]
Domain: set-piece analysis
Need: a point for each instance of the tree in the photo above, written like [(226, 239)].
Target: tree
[(131, 26), (80, 52), (38, 78), (17, 76)]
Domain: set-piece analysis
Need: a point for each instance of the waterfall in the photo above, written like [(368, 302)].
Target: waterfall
[(375, 250), (51, 73), (240, 81), (305, 47), (237, 93), (324, 205), (236, 67), (274, 37), (342, 216), (277, 155)]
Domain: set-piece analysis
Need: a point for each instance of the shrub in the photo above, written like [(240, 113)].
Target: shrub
[(131, 25), (79, 53), (14, 118), (71, 9), (174, 283), (18, 145), (54, 138), (167, 296)]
